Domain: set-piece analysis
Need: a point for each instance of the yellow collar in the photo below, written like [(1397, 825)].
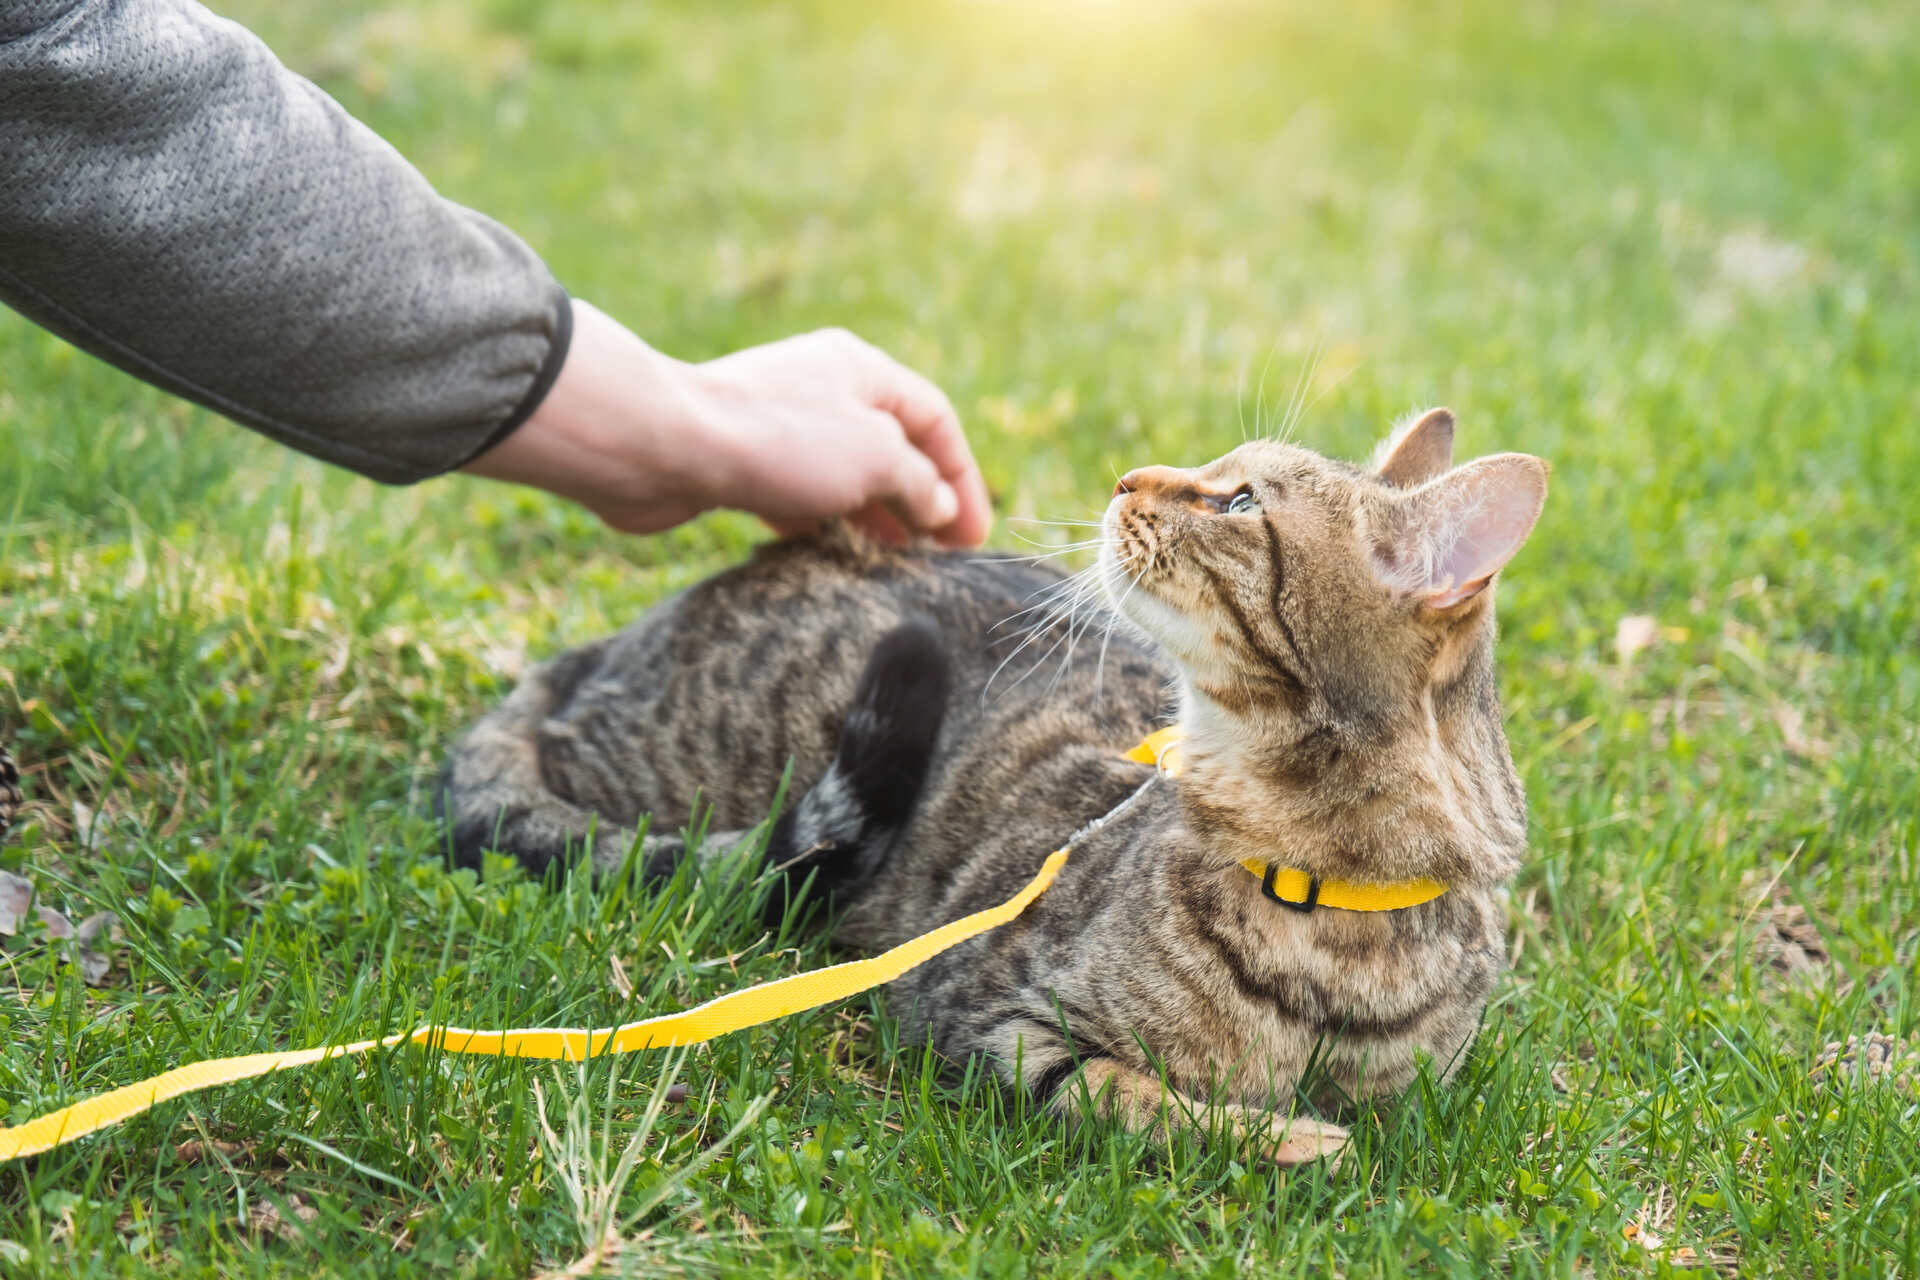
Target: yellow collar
[(1289, 886)]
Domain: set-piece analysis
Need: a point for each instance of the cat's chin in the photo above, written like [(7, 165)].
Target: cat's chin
[(1133, 598)]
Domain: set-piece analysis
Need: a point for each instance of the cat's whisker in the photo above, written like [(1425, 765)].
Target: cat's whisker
[(1302, 380), (1073, 641), (1092, 593), (1075, 629), (1100, 666), (1077, 545), (1058, 524), (1084, 541), (1240, 403), (1041, 661), (1115, 615), (1297, 412), (1066, 549), (1063, 607), (1064, 589), (1260, 390), (1054, 593), (1032, 635), (1322, 394), (1036, 559)]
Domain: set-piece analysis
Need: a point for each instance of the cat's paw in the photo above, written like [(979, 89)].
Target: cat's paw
[(1292, 1140)]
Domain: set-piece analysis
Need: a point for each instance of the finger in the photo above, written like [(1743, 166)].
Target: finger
[(933, 427), (787, 528), (914, 487), (880, 521), (877, 520)]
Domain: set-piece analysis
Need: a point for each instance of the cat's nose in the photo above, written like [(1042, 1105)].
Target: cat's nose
[(1150, 480)]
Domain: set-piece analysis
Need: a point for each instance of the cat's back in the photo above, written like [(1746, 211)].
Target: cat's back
[(714, 691)]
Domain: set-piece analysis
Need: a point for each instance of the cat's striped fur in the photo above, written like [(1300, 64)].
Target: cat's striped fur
[(10, 797), (1323, 633)]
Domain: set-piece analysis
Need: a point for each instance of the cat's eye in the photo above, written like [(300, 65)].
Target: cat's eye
[(1242, 503)]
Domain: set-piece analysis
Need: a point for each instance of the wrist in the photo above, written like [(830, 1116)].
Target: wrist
[(624, 429)]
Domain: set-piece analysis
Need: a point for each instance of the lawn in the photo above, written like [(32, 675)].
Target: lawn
[(1675, 249)]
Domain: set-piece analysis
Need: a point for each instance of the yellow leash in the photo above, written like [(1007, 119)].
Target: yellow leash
[(735, 1011), (732, 1012)]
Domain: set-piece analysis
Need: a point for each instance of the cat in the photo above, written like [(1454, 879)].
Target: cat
[(1321, 632), (10, 798)]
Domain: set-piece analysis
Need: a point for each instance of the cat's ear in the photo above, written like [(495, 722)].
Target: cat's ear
[(1446, 539), (1417, 451)]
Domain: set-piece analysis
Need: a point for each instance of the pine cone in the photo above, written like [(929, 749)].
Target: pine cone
[(10, 797)]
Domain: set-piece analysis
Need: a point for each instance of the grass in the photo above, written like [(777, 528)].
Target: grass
[(1672, 249)]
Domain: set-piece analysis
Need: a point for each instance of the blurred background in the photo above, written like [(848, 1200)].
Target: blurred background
[(1674, 249)]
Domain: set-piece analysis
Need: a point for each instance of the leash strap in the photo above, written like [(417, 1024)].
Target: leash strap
[(734, 1011)]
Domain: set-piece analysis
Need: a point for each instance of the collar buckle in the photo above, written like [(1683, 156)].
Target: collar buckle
[(1305, 906)]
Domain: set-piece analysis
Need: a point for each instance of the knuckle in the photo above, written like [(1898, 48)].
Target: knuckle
[(916, 476), (836, 336)]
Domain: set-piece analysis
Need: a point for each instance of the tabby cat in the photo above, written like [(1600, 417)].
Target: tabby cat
[(1322, 633), (10, 797)]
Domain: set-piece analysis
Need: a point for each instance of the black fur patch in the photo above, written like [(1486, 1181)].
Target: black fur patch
[(470, 836), (842, 829)]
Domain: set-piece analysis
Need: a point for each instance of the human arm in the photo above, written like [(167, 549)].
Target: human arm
[(175, 201)]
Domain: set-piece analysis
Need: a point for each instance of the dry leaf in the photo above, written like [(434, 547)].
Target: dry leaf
[(194, 1151), (1634, 632), (16, 899), (17, 905), (1790, 941), (1793, 732), (617, 975), (93, 944), (265, 1216), (1652, 1221), (56, 924)]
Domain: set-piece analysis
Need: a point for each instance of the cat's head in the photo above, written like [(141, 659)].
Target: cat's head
[(1315, 607)]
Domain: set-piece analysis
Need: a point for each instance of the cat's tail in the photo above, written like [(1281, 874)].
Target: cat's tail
[(842, 830)]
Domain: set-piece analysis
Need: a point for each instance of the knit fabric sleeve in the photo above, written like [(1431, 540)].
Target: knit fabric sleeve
[(175, 201)]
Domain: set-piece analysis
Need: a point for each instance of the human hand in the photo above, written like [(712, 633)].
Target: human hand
[(825, 424), (796, 431)]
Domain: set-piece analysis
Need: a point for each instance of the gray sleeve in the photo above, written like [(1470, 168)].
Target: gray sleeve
[(175, 201)]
